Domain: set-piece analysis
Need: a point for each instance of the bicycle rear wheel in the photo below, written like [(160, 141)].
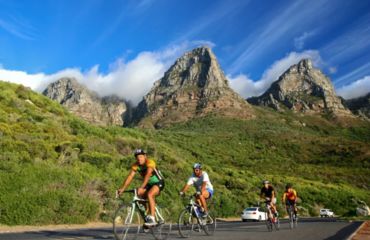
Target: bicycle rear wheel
[(126, 223), (164, 224), (210, 225), (186, 223)]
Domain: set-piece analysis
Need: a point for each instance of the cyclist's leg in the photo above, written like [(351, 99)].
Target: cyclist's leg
[(273, 205), (152, 193), (203, 197), (141, 192), (287, 207)]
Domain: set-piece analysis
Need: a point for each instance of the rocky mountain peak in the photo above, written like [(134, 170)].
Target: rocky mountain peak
[(198, 68), (302, 88), (85, 103), (194, 85)]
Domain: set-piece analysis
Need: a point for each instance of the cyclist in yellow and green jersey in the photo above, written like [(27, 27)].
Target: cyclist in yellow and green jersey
[(152, 185)]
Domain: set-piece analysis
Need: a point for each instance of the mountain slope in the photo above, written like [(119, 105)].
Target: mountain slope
[(302, 88), (194, 86), (57, 168), (360, 105), (85, 103)]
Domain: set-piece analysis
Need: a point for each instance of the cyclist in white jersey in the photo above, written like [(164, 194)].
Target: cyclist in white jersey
[(200, 180)]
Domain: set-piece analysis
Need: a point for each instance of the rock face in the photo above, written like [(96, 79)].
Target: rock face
[(302, 88), (360, 106), (194, 86), (85, 103)]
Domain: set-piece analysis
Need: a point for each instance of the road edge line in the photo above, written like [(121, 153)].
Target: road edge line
[(355, 232)]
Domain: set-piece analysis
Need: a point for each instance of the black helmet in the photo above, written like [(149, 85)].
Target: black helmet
[(139, 152), (289, 185)]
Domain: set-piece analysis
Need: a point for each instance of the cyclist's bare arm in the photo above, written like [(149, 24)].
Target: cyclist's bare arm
[(185, 188), (284, 196), (127, 182), (146, 178)]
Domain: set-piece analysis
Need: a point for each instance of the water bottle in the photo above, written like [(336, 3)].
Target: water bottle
[(197, 211), (142, 209)]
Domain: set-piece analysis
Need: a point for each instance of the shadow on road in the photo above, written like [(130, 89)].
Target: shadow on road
[(344, 233), (88, 233)]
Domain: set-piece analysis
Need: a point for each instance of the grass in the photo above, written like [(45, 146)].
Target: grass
[(56, 168)]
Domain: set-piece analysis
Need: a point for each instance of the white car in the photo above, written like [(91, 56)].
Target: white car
[(253, 213), (326, 213)]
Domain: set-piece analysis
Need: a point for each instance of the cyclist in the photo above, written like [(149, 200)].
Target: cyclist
[(200, 180), (290, 198), (268, 193), (152, 185)]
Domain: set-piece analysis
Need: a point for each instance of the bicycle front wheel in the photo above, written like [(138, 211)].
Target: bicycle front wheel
[(126, 223), (276, 223), (186, 223), (164, 224), (291, 224), (268, 223), (210, 225)]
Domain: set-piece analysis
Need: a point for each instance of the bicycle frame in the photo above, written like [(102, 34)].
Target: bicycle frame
[(292, 219), (192, 205), (131, 216), (135, 204)]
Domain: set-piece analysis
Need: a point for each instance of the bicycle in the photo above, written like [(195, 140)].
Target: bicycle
[(128, 219), (273, 222), (191, 220), (293, 222)]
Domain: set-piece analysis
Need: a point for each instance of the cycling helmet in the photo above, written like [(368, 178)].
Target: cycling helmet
[(265, 182), (139, 152), (197, 166), (289, 185)]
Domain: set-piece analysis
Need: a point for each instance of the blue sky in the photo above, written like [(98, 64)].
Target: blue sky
[(103, 41)]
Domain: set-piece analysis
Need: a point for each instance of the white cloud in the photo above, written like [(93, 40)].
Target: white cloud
[(356, 89), (128, 79), (246, 87), (299, 41)]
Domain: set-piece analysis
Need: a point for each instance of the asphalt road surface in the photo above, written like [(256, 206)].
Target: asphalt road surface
[(313, 228)]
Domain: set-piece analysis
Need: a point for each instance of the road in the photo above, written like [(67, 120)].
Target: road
[(313, 228)]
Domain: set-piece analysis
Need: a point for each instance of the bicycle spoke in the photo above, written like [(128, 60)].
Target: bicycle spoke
[(210, 225), (164, 226), (186, 223), (126, 223)]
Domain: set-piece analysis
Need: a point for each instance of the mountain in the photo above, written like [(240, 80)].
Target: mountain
[(360, 106), (85, 103), (194, 86), (56, 168), (302, 88)]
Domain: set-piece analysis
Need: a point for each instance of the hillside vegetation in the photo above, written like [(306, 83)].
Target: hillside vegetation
[(56, 168)]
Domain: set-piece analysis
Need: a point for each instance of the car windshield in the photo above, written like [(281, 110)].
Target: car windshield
[(251, 209)]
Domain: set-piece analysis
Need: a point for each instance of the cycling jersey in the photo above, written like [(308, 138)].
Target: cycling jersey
[(291, 196), (198, 181), (267, 192), (156, 175)]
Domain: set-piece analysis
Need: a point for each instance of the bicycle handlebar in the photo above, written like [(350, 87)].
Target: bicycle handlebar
[(126, 191)]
